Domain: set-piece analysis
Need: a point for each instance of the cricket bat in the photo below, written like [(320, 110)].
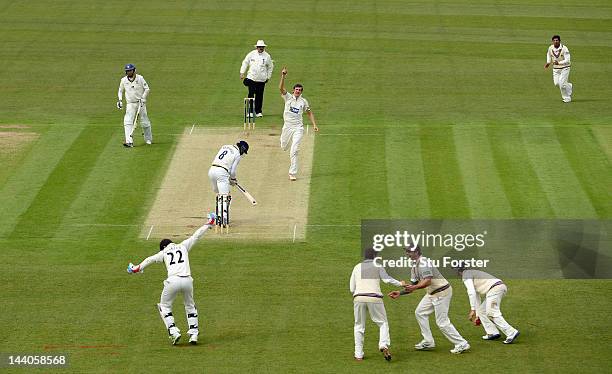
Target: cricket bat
[(246, 194), (136, 119)]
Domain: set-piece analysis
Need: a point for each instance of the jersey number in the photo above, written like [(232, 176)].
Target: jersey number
[(180, 258), (222, 155)]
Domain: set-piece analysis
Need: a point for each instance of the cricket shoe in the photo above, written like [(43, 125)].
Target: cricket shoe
[(212, 217), (292, 177), (193, 339), (148, 142), (259, 115), (460, 348), (491, 337), (424, 345), (511, 339), (358, 358), (128, 145), (386, 353), (174, 338)]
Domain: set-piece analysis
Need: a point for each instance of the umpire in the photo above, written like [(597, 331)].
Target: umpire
[(258, 66)]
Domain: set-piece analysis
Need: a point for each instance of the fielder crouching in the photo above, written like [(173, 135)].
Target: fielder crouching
[(479, 283), (365, 287)]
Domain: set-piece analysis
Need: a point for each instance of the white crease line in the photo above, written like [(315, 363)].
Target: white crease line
[(356, 134), (294, 231), (150, 231), (118, 225), (192, 127)]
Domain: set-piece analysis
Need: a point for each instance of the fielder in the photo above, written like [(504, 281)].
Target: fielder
[(293, 128), (365, 287), (179, 281), (559, 56), (479, 283), (222, 174), (437, 300), (136, 92)]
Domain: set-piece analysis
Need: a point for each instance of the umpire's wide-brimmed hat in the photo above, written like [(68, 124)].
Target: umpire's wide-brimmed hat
[(260, 43)]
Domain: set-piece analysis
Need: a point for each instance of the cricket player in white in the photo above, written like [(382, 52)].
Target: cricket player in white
[(437, 300), (136, 92), (365, 287), (479, 283), (258, 66), (176, 258), (293, 128), (559, 56), (222, 172)]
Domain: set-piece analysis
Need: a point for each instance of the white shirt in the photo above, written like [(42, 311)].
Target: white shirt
[(260, 66), (366, 277), (228, 157), (561, 55), (294, 109), (134, 90), (425, 269), (477, 282), (176, 256)]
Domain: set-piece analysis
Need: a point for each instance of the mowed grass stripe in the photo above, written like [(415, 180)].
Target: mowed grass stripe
[(603, 134), (349, 180), (406, 185), (520, 182), (46, 211), (590, 165), (117, 190), (447, 197), (31, 174), (564, 191), (483, 186)]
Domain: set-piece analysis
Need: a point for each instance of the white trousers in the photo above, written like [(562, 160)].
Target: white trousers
[(219, 179), (438, 305), (378, 316), (293, 136), (561, 80), (490, 314), (172, 287), (143, 119)]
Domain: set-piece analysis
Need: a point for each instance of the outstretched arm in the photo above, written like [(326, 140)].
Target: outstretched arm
[(189, 242), (159, 257), (281, 85)]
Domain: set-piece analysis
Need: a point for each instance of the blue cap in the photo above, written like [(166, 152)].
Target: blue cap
[(130, 67)]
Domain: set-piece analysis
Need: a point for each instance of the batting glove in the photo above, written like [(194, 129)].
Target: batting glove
[(143, 102), (133, 269), (119, 104), (233, 181), (211, 218)]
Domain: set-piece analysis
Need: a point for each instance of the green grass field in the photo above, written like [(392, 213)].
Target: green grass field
[(427, 109)]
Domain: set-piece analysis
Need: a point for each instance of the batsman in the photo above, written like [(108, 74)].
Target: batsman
[(136, 92), (222, 174)]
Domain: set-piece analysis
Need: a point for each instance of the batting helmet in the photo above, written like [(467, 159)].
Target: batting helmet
[(130, 67), (243, 147)]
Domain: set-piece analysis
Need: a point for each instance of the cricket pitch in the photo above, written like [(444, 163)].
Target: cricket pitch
[(186, 194)]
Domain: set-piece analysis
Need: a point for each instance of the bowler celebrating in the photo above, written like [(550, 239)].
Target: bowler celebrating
[(179, 281), (293, 128)]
